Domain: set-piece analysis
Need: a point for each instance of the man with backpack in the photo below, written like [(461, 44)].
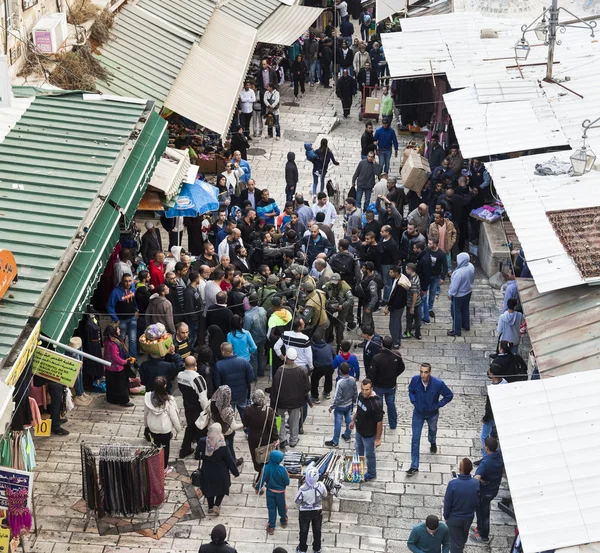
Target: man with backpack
[(345, 264), (369, 290), (340, 303)]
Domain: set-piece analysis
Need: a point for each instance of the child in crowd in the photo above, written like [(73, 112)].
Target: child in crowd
[(346, 357), (276, 479), (309, 499), (342, 405)]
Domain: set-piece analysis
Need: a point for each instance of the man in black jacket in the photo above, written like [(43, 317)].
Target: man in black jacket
[(396, 305), (167, 366), (409, 237), (345, 90), (219, 314), (367, 77), (193, 308), (424, 263), (439, 269), (151, 242), (371, 345), (389, 258), (371, 251), (326, 59), (386, 367), (366, 141)]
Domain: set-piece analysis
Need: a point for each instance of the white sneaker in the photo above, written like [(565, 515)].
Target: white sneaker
[(277, 138)]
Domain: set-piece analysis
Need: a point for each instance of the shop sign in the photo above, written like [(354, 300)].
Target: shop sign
[(8, 271), (15, 480), (55, 366), (24, 356), (4, 537)]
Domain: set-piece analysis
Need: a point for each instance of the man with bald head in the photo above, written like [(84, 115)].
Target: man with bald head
[(227, 246), (244, 166), (419, 217), (191, 385), (314, 244)]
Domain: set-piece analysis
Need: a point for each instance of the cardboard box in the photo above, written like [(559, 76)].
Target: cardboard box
[(372, 106), (415, 173), (208, 166)]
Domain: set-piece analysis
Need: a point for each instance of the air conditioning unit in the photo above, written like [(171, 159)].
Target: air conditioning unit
[(50, 32)]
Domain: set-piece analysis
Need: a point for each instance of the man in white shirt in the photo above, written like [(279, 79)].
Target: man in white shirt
[(300, 342), (326, 207), (247, 99), (271, 101), (227, 246)]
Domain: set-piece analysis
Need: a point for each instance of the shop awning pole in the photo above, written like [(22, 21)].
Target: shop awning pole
[(77, 351)]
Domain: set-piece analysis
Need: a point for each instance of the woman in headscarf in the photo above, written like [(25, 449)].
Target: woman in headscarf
[(259, 421), (222, 412), (117, 382), (216, 464), (217, 543)]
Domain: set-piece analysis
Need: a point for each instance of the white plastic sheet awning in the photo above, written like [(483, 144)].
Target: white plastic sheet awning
[(208, 85), (386, 8), (287, 24), (548, 432)]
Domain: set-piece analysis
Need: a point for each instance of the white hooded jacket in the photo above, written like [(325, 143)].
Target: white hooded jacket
[(163, 419)]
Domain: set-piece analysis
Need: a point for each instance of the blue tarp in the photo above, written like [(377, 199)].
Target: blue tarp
[(194, 199)]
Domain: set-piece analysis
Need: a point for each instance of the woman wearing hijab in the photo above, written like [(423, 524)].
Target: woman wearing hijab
[(217, 542), (222, 412), (117, 382), (232, 177), (259, 421), (161, 417), (216, 465), (224, 193)]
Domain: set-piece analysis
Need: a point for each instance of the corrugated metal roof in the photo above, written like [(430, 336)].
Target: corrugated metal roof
[(287, 24), (483, 127), (564, 327), (144, 56), (52, 165), (252, 13), (527, 197), (199, 93), (191, 15), (548, 430)]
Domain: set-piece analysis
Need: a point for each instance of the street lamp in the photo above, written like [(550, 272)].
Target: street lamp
[(583, 159), (545, 30)]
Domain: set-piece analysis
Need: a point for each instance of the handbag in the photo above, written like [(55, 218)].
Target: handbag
[(261, 454), (204, 418), (195, 478), (404, 282)]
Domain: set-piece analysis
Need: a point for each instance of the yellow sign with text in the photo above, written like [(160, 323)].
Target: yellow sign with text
[(55, 366), (4, 537), (44, 428), (24, 357)]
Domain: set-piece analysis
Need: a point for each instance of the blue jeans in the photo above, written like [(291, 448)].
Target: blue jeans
[(277, 128), (79, 383), (240, 406), (314, 71), (316, 178), (366, 447), (483, 515), (396, 325), (276, 502), (459, 308), (389, 396), (359, 195), (428, 299), (348, 68), (388, 281), (385, 156), (257, 359), (129, 329), (486, 430), (417, 427), (338, 414)]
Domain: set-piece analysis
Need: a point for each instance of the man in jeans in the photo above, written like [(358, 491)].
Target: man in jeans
[(385, 368), (395, 306), (385, 138), (489, 473), (424, 392), (439, 270), (342, 405), (368, 420)]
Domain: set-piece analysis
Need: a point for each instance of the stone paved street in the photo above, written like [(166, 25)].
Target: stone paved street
[(376, 516)]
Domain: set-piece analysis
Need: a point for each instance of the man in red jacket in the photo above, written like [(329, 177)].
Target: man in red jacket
[(156, 268)]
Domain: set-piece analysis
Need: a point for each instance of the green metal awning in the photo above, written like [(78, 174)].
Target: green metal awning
[(64, 312)]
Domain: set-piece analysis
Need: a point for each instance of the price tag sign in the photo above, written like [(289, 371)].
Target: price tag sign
[(44, 428)]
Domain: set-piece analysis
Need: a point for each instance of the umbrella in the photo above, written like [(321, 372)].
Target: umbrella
[(194, 199)]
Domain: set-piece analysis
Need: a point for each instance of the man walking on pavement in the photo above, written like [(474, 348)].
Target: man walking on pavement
[(235, 372), (460, 502), (368, 420), (364, 178), (431, 536), (194, 390), (489, 473), (385, 369), (385, 137), (459, 292), (395, 306), (342, 405), (424, 392)]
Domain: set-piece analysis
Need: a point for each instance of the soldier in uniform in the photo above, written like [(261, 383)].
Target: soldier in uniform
[(315, 312), (340, 303)]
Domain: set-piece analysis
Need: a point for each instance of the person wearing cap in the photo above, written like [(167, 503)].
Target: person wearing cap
[(81, 398), (315, 312), (267, 292), (151, 242), (288, 395), (340, 302)]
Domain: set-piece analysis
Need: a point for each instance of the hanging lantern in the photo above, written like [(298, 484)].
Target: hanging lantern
[(522, 49), (582, 160)]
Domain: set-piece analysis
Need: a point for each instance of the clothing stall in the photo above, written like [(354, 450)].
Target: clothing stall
[(121, 480)]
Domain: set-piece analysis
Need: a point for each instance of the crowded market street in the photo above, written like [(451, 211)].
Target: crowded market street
[(376, 516)]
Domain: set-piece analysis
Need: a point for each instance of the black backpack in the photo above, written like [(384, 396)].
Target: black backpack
[(343, 265)]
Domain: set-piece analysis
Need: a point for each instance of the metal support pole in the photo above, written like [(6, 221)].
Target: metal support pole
[(77, 351), (552, 27)]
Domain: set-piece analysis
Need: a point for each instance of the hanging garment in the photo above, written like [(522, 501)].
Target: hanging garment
[(5, 453), (156, 479), (28, 450), (18, 462), (19, 515), (36, 417)]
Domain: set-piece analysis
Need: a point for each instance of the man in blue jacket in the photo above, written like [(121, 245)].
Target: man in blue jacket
[(385, 138), (235, 372), (489, 473), (123, 309), (424, 392), (460, 502)]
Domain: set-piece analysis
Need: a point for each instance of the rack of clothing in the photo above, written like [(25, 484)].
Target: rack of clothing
[(17, 450), (122, 480)]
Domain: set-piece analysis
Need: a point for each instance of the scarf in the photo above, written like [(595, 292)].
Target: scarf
[(111, 334), (259, 399), (222, 400), (214, 439)]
